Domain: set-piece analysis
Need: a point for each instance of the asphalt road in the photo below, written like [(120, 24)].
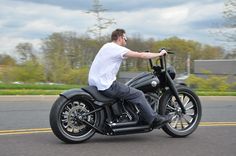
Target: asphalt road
[(24, 131)]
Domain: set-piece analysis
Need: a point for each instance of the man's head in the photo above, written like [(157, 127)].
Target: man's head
[(118, 36)]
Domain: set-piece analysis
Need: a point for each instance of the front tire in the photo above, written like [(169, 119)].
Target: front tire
[(64, 122), (182, 124)]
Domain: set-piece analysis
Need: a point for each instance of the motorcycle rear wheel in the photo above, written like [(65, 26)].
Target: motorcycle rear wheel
[(64, 119), (182, 124)]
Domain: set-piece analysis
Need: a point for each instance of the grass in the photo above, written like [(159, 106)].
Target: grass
[(34, 89), (37, 86), (215, 93), (46, 89), (30, 92)]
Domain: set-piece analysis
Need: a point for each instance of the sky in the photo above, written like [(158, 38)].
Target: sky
[(34, 20)]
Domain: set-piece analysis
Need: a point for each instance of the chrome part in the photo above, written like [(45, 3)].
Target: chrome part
[(72, 113), (154, 83), (182, 122)]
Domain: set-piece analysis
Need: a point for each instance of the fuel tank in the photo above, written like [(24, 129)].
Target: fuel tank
[(147, 82)]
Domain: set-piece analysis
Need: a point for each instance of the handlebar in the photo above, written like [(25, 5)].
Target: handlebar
[(162, 58), (167, 78)]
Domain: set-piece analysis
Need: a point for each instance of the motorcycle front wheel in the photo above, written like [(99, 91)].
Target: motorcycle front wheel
[(64, 119), (182, 124)]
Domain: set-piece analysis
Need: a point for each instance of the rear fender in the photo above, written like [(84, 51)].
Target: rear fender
[(79, 92), (74, 92)]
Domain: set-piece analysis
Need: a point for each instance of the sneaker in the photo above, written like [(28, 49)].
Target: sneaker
[(161, 120)]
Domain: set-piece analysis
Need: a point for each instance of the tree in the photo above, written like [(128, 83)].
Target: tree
[(136, 43), (231, 55), (25, 50), (230, 21), (66, 52), (184, 48), (55, 58), (29, 70), (229, 30), (102, 22), (7, 60)]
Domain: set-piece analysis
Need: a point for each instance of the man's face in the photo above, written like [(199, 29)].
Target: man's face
[(123, 40)]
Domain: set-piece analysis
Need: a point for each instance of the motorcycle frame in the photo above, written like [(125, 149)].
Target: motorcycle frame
[(121, 128)]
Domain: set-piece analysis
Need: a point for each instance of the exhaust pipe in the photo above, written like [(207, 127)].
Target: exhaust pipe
[(125, 124), (129, 130)]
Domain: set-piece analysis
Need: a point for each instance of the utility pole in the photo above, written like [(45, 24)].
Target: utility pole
[(188, 64), (102, 23)]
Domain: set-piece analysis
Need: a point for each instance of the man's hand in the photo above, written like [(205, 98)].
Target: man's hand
[(163, 52)]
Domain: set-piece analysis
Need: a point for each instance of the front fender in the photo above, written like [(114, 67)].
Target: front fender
[(73, 92)]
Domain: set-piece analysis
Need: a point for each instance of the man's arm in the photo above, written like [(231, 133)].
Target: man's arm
[(144, 55)]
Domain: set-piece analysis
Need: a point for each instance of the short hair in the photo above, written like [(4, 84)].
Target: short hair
[(116, 33)]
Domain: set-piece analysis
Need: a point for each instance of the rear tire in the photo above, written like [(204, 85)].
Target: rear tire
[(181, 125), (64, 123)]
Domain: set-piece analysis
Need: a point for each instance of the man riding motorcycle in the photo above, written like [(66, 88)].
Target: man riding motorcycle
[(103, 73)]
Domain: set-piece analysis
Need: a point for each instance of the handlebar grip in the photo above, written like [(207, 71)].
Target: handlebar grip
[(170, 52), (167, 50)]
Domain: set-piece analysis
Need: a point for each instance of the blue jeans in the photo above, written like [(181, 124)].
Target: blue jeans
[(132, 95)]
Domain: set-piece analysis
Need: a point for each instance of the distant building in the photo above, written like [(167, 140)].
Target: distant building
[(205, 68)]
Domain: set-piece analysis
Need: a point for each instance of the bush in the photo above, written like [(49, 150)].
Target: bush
[(213, 83), (233, 86), (77, 76), (218, 83), (28, 72)]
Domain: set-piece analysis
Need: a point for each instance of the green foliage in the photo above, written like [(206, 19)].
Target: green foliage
[(34, 89), (28, 72), (66, 57), (212, 83), (30, 92), (25, 50), (183, 48), (7, 60), (215, 93), (233, 86), (77, 76)]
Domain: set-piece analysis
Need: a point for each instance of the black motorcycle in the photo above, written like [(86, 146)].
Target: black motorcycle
[(78, 114)]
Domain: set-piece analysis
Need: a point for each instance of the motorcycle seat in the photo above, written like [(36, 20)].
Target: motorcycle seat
[(92, 90)]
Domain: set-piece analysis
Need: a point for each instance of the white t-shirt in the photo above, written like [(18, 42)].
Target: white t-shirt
[(106, 65)]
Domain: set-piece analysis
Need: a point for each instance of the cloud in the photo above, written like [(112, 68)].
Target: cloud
[(117, 6), (26, 22), (7, 43), (171, 21), (32, 20), (66, 4)]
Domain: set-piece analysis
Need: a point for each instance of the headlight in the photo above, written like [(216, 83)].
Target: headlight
[(172, 72)]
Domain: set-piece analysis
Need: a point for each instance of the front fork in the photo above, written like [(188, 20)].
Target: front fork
[(175, 92)]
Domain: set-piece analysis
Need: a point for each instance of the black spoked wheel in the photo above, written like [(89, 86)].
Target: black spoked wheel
[(65, 123), (182, 124)]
